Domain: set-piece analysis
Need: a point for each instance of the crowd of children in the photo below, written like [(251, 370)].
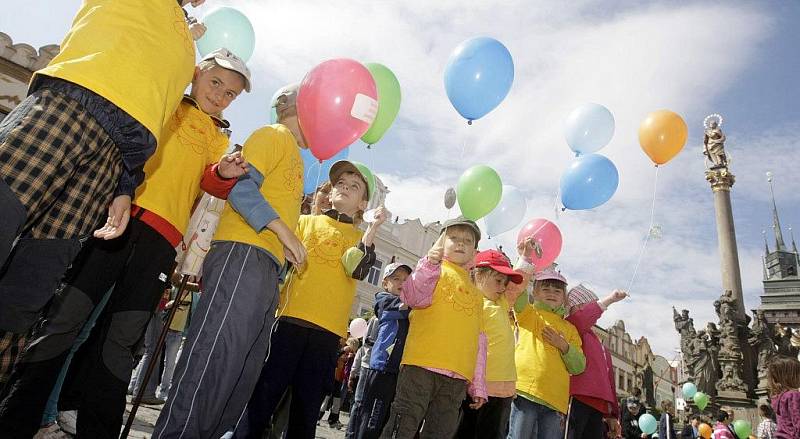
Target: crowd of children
[(462, 345)]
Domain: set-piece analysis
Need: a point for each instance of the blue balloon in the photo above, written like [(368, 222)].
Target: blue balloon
[(588, 128), (589, 181), (478, 76), (648, 423), (228, 28), (314, 171)]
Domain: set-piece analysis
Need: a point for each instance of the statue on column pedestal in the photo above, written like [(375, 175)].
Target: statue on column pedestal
[(714, 141), (762, 342)]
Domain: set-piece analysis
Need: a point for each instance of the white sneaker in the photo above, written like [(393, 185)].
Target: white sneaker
[(68, 421), (52, 431)]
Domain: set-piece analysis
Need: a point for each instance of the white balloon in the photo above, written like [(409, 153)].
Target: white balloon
[(508, 213), (358, 327)]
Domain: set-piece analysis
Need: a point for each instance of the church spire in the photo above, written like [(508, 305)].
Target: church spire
[(794, 246), (776, 222), (766, 245)]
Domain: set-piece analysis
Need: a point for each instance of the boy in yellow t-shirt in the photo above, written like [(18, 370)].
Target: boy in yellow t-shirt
[(228, 341), (137, 265), (79, 140), (446, 348), (315, 306), (492, 274), (548, 351)]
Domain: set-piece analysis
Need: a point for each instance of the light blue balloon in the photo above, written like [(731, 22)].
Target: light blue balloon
[(478, 76), (589, 181), (228, 28), (589, 128), (312, 173), (648, 423), (508, 213), (689, 390)]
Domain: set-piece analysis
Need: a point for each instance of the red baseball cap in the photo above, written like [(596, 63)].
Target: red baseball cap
[(498, 262)]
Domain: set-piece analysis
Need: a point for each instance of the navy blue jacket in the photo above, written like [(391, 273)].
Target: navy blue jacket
[(392, 331)]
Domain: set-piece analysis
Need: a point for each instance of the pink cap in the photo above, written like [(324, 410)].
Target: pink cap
[(549, 273), (579, 295)]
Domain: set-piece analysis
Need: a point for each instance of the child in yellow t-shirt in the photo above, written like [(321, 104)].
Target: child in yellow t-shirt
[(229, 339), (548, 351), (137, 264), (492, 274), (315, 306), (446, 348)]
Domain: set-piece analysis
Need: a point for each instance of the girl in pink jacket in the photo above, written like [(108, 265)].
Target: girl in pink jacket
[(594, 395)]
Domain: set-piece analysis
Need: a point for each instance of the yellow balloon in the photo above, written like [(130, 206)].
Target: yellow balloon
[(662, 135), (705, 431)]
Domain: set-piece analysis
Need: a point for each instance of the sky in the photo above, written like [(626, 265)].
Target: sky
[(738, 59)]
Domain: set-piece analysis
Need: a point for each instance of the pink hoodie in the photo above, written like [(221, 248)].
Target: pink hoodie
[(787, 409), (597, 381)]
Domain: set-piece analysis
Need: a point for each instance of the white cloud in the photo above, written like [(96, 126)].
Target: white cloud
[(633, 61)]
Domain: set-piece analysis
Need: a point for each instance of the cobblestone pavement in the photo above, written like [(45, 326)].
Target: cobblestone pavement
[(147, 414)]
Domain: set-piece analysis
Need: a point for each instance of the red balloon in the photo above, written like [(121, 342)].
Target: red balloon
[(547, 235), (336, 104)]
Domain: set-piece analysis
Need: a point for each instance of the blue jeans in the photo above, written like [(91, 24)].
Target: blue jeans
[(51, 410), (150, 341), (172, 350), (530, 420)]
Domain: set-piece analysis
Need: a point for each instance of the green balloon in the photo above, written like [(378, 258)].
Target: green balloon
[(701, 399), (479, 191), (388, 102), (742, 428)]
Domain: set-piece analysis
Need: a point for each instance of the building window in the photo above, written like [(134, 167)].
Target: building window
[(621, 380), (374, 275)]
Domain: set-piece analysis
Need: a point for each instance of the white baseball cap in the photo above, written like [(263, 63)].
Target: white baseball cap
[(228, 60), (394, 266)]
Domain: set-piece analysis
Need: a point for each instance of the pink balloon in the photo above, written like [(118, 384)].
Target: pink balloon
[(549, 238), (336, 105)]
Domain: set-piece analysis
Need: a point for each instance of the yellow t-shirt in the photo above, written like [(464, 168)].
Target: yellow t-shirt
[(189, 143), (445, 334), (541, 372), (500, 335), (273, 151), (138, 54), (323, 291)]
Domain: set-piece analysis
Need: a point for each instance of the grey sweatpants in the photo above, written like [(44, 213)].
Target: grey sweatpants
[(226, 346)]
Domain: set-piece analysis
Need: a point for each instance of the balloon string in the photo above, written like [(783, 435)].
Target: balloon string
[(647, 238), (319, 174)]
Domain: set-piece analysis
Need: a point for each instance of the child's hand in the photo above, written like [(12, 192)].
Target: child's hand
[(617, 295), (529, 247), (477, 402), (614, 297), (232, 165), (197, 30), (555, 338), (436, 253), (381, 214), (294, 251), (119, 213)]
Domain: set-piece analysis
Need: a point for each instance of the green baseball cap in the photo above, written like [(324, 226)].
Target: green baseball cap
[(358, 168)]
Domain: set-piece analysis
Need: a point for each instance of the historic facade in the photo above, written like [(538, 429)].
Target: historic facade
[(637, 367), (17, 64)]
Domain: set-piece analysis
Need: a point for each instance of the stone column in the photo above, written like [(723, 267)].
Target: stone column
[(721, 181)]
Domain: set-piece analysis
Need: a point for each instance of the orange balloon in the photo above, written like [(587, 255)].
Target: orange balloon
[(662, 135), (705, 431)]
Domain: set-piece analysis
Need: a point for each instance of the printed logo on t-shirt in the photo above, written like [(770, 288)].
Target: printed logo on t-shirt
[(326, 246), (193, 129), (293, 175), (462, 299)]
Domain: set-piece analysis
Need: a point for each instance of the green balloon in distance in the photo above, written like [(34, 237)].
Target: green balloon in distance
[(388, 102), (742, 428), (478, 191), (701, 399)]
